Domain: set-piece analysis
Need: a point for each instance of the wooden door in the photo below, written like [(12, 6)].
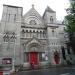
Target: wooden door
[(34, 58)]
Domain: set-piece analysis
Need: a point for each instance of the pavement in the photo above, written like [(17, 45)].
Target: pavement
[(46, 70), (67, 70), (47, 67)]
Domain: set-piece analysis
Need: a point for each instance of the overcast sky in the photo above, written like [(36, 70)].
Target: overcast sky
[(57, 5)]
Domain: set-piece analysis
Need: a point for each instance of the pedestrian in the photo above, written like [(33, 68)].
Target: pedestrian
[(32, 65), (13, 72)]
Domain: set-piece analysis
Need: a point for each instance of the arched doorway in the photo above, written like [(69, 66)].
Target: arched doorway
[(56, 57), (33, 53)]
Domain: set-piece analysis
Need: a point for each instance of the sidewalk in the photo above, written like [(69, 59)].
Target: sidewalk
[(47, 67)]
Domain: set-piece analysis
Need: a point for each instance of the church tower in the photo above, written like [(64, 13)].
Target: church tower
[(10, 32), (52, 33), (49, 16)]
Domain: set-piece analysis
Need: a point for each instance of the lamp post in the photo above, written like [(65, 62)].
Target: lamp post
[(14, 52), (13, 62), (1, 48)]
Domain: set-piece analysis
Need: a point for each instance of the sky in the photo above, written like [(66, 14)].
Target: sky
[(40, 5)]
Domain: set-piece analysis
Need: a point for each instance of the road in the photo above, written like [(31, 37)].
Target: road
[(50, 71)]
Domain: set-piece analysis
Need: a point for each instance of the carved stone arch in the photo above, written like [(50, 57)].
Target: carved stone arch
[(33, 18), (34, 47)]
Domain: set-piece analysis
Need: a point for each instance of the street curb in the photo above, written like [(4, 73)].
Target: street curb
[(47, 67)]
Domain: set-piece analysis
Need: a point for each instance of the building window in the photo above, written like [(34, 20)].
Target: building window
[(26, 33), (23, 32), (42, 56), (9, 37), (37, 33), (6, 38), (15, 18), (34, 33), (30, 33), (51, 19), (8, 17), (53, 32), (12, 38), (32, 22), (40, 34), (44, 34)]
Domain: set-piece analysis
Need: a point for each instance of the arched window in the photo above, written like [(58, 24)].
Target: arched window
[(34, 33), (30, 33), (26, 33), (23, 32), (51, 19), (40, 34), (12, 38), (53, 32), (37, 33), (15, 18), (32, 22), (6, 38), (44, 34)]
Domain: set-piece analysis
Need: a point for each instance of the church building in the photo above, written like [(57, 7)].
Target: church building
[(30, 38)]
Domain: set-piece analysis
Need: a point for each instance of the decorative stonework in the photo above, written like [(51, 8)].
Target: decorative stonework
[(34, 33)]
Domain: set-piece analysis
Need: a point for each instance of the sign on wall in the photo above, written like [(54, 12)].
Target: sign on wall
[(7, 61)]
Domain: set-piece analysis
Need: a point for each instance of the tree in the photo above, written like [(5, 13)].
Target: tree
[(70, 25)]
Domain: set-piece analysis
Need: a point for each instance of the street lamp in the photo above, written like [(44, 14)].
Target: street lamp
[(1, 48), (14, 53), (13, 62)]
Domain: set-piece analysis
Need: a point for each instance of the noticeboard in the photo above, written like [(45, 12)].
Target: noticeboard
[(7, 61)]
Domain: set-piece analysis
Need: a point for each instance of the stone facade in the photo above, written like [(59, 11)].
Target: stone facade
[(30, 38)]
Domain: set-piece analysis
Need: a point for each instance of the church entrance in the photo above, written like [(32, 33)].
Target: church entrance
[(33, 56)]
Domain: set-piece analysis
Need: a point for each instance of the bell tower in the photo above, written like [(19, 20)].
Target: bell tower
[(50, 23), (49, 16)]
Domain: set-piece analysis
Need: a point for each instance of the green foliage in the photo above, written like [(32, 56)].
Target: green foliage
[(70, 19), (70, 25)]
